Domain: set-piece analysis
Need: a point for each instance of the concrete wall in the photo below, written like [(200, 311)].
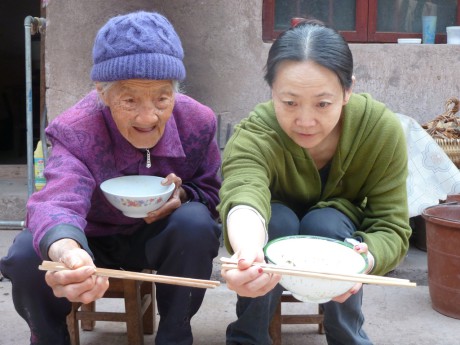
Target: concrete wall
[(70, 32), (415, 80), (225, 56)]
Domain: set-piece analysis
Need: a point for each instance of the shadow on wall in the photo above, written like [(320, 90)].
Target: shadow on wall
[(224, 130)]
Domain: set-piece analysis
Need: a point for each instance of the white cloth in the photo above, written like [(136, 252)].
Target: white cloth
[(432, 175)]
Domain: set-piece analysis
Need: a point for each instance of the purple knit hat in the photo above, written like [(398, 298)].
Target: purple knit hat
[(139, 45)]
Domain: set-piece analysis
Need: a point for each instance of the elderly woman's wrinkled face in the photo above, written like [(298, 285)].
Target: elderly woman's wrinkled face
[(140, 109), (308, 100)]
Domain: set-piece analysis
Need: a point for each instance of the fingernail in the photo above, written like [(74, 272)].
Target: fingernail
[(90, 270), (240, 260), (358, 247), (165, 180), (260, 270)]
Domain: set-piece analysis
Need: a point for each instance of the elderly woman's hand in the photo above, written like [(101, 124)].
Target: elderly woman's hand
[(360, 248), (177, 198), (77, 284), (248, 280)]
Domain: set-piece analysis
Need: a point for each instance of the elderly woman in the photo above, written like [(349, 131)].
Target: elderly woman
[(134, 123), (315, 160)]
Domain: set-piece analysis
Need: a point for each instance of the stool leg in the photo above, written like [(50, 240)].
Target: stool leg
[(133, 312), (72, 325), (88, 325), (275, 326), (321, 324), (149, 314)]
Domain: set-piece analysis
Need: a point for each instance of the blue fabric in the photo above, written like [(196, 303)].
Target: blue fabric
[(138, 45), (342, 321), (184, 245)]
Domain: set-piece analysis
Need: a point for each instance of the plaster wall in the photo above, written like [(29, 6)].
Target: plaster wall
[(225, 56)]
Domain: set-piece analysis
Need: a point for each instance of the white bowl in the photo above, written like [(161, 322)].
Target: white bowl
[(138, 195), (315, 254), (409, 40)]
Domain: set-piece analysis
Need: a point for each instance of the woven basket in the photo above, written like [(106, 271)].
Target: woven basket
[(452, 148), (445, 129)]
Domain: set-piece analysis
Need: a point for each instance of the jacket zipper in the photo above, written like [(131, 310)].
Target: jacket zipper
[(148, 161)]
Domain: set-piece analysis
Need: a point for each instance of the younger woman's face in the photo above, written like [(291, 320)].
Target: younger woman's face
[(140, 109), (308, 100)]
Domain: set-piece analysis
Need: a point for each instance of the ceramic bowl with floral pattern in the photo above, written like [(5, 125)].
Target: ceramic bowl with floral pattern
[(138, 195)]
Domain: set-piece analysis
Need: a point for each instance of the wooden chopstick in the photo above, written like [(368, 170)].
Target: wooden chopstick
[(104, 272), (296, 269), (357, 277)]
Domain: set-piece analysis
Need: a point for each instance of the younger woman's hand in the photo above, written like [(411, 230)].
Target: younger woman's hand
[(362, 249), (249, 280)]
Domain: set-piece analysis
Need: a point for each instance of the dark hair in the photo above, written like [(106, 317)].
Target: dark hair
[(311, 40)]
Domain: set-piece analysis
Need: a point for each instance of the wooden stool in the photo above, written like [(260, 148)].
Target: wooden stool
[(279, 319), (139, 313)]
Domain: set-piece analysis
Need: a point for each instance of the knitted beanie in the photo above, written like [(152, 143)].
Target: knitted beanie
[(139, 45)]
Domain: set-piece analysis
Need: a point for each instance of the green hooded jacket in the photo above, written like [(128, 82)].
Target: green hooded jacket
[(367, 179)]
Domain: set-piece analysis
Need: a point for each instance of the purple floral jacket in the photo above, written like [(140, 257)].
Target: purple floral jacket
[(87, 149)]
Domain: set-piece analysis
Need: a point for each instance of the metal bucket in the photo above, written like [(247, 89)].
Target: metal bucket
[(443, 251)]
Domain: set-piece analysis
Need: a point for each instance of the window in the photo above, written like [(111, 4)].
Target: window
[(373, 21)]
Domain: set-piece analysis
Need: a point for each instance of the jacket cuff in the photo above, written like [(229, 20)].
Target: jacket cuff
[(195, 192), (60, 232)]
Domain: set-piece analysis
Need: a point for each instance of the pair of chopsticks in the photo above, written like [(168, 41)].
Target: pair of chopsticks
[(155, 278), (228, 264)]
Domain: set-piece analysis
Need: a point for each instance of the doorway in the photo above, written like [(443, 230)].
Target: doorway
[(13, 141)]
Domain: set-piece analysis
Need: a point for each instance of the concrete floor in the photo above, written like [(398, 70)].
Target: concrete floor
[(394, 315)]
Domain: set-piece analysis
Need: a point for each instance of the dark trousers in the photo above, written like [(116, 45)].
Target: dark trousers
[(342, 321), (184, 245)]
